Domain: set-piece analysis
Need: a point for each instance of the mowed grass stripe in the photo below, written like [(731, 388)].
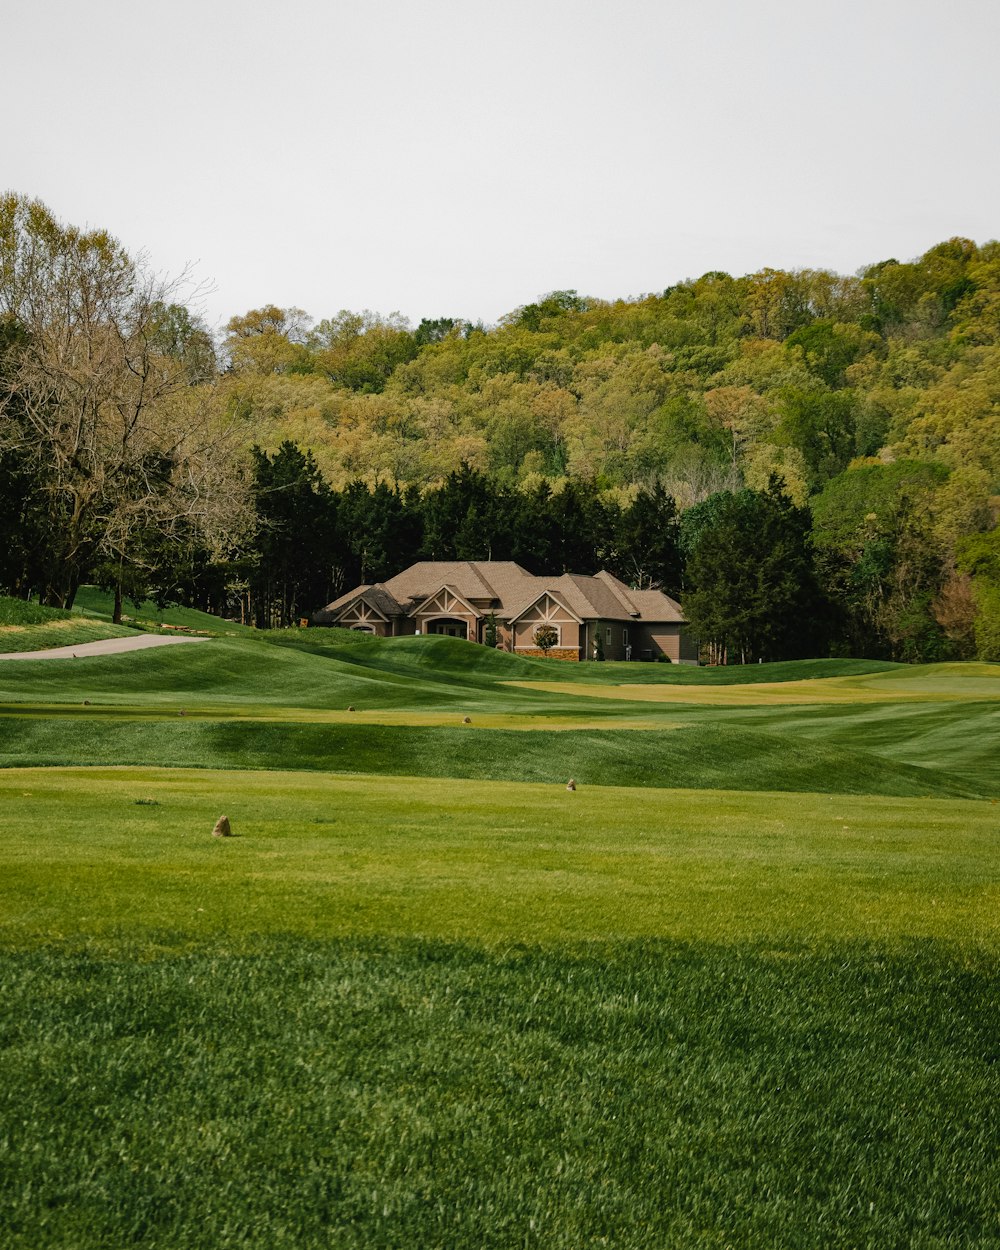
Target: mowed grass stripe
[(125, 856), (696, 754), (937, 683)]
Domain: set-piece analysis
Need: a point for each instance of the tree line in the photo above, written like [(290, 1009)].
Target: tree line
[(830, 444)]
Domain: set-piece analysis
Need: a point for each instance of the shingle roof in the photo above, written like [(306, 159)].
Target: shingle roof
[(512, 590), (376, 595), (651, 605), (471, 580)]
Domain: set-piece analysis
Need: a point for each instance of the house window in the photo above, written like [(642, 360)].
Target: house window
[(607, 635), (624, 637)]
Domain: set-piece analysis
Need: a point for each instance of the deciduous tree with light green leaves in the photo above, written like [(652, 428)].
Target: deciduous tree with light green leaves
[(98, 402)]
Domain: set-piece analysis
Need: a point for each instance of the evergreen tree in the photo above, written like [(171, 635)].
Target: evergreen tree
[(297, 549), (753, 593), (647, 548)]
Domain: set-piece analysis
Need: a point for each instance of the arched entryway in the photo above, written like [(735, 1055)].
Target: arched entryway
[(449, 626)]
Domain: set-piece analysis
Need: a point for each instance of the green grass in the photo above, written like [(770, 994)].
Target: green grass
[(740, 989), (90, 601), (696, 755), (930, 730), (645, 1096), (31, 627), (19, 612), (494, 862)]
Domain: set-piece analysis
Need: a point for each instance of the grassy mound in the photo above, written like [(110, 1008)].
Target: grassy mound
[(31, 627), (17, 612), (228, 687), (90, 601), (417, 655), (707, 755), (434, 656), (250, 673)]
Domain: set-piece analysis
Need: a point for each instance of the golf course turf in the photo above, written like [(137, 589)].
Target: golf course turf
[(738, 989)]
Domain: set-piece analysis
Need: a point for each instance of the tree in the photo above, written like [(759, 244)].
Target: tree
[(359, 351), (823, 428), (23, 515), (382, 528), (752, 591), (99, 406), (268, 340), (878, 558), (458, 520), (647, 552), (979, 559), (298, 552), (433, 330)]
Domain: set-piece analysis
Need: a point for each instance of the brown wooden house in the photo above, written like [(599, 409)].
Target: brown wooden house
[(594, 616)]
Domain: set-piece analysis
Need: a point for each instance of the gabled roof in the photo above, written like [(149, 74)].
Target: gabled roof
[(376, 596), (650, 605), (552, 593), (504, 587), (424, 578), (421, 603)]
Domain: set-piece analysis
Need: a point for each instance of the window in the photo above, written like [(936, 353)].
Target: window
[(624, 637), (607, 635)]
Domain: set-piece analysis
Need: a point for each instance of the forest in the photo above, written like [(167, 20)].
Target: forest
[(810, 461)]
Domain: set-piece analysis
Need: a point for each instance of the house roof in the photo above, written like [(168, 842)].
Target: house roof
[(420, 608), (471, 580), (375, 595), (539, 593), (509, 590)]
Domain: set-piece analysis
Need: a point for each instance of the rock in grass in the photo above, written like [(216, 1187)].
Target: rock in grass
[(571, 784), (466, 720), (222, 828), (350, 707)]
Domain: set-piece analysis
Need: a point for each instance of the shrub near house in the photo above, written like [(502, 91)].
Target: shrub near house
[(546, 637)]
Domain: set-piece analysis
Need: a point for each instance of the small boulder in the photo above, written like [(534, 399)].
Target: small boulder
[(222, 829), (571, 784), (466, 720), (350, 707)]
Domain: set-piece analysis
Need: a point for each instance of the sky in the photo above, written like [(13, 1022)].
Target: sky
[(449, 158)]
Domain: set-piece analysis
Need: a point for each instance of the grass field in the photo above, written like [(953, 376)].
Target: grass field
[(739, 989)]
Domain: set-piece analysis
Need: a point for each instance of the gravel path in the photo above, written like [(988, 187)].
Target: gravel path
[(106, 646)]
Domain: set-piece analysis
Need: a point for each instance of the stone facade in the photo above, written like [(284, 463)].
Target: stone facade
[(554, 653)]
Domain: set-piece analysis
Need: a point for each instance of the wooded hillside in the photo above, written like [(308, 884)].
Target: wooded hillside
[(864, 410)]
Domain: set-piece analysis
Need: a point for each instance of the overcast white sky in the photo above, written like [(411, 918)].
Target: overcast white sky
[(453, 158)]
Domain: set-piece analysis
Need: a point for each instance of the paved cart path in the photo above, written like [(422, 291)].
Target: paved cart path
[(106, 646)]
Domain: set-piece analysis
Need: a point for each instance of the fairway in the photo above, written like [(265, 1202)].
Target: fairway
[(738, 988), (490, 862), (932, 683)]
